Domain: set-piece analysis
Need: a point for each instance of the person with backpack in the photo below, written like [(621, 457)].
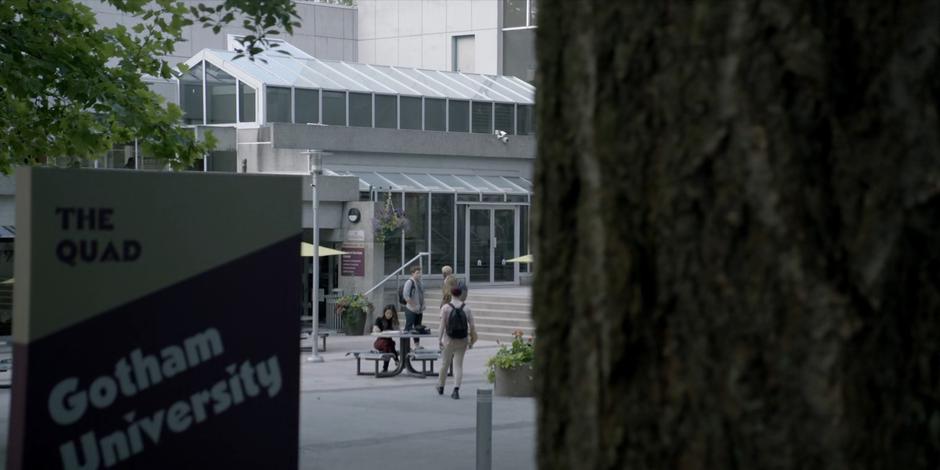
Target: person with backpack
[(458, 333), (412, 293)]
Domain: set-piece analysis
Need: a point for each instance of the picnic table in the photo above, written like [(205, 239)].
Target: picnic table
[(404, 348)]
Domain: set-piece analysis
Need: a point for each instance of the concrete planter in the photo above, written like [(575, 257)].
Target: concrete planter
[(515, 382), (353, 323)]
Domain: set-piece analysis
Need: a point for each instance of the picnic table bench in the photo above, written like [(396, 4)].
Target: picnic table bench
[(427, 358), (305, 334), (372, 355)]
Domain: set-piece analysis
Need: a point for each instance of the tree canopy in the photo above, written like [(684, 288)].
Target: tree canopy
[(70, 88)]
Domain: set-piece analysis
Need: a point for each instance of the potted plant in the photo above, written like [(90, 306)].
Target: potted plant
[(353, 310), (387, 220), (511, 368)]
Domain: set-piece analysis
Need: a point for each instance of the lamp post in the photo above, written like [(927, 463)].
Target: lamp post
[(316, 167)]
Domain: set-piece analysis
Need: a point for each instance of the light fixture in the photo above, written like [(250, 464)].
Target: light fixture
[(353, 215)]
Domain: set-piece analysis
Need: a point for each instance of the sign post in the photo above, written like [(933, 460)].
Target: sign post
[(155, 331)]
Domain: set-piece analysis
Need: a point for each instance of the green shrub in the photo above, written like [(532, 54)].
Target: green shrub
[(520, 353)]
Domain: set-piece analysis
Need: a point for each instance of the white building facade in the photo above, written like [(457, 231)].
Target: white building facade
[(479, 36)]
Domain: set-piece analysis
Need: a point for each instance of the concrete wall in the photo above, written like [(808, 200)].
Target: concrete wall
[(327, 31), (419, 33)]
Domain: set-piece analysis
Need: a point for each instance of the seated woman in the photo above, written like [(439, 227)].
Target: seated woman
[(387, 321)]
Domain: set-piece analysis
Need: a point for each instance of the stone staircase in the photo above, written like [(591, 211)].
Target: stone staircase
[(497, 313)]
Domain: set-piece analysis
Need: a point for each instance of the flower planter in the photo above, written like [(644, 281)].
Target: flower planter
[(353, 323), (515, 382)]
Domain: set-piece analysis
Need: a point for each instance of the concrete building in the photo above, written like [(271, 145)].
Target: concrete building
[(480, 36), (327, 31), (421, 141)]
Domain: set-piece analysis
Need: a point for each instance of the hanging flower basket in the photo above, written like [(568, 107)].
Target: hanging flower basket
[(388, 220)]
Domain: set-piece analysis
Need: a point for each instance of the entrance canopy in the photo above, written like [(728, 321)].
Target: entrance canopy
[(438, 183)]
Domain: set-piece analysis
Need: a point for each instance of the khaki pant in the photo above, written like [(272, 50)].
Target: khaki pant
[(453, 354)]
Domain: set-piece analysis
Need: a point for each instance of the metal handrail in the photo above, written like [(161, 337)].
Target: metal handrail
[(398, 271)]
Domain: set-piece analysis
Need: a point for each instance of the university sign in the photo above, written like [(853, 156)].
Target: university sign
[(156, 320)]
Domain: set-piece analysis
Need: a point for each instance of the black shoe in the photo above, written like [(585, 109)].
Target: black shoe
[(440, 390), (456, 394)]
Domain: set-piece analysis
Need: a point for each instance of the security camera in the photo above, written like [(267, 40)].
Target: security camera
[(501, 136)]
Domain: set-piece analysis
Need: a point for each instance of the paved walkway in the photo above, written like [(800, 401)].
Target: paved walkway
[(352, 422)]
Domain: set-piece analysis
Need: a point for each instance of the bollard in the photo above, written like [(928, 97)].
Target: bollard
[(484, 429)]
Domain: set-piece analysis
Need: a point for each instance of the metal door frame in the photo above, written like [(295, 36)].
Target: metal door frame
[(492, 208)]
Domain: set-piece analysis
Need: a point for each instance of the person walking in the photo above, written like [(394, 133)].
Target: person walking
[(458, 333), (413, 292)]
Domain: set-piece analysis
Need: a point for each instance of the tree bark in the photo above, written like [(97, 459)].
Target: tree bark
[(737, 234)]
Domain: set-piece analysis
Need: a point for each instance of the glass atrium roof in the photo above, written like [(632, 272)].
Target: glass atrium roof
[(300, 70)]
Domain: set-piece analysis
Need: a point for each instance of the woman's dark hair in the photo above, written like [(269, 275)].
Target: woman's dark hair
[(394, 314), (456, 291)]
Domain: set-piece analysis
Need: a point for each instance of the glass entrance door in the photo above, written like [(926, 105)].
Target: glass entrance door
[(491, 242), (479, 238)]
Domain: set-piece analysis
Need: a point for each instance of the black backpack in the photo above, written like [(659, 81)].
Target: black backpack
[(401, 292), (457, 323)]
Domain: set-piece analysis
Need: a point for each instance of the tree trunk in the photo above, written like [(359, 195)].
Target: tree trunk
[(737, 218)]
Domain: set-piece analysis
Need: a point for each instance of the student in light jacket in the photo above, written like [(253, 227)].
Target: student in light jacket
[(453, 349)]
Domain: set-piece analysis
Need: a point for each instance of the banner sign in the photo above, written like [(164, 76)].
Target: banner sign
[(155, 322), (353, 261)]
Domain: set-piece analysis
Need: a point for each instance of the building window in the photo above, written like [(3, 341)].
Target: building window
[(220, 96), (442, 231), (504, 118), (523, 236), (458, 117), (246, 103), (482, 118), (386, 111), (360, 110), (464, 53), (278, 104), (306, 106), (525, 120), (393, 244), (334, 108), (435, 114), (410, 113), (519, 13), (416, 210), (191, 95)]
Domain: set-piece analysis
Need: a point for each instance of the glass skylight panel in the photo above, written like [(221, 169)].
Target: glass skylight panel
[(456, 184), (412, 82), (374, 180), (489, 88), (401, 181), (480, 184), (428, 182), (334, 72), (523, 94), (429, 79), (502, 184), (252, 69), (291, 70), (374, 77), (521, 182)]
